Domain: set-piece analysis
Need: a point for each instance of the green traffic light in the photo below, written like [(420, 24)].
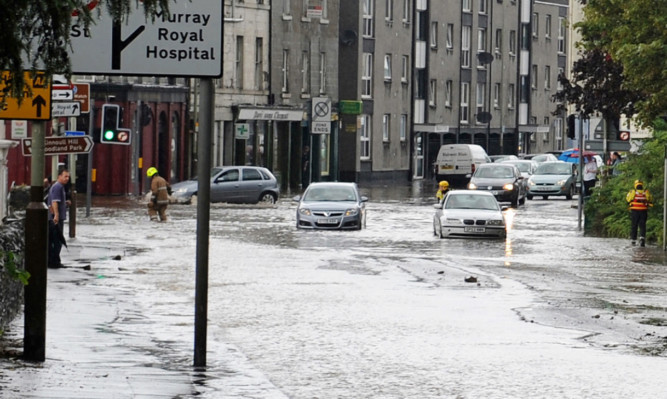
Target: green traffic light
[(109, 135)]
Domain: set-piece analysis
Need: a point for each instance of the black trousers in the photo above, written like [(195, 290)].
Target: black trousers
[(638, 222), (55, 243)]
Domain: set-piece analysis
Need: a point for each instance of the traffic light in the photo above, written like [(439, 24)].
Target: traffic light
[(110, 132), (571, 122)]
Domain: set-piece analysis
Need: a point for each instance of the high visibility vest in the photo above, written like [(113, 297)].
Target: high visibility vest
[(639, 201)]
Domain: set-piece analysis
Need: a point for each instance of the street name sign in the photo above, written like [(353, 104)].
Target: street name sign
[(60, 145), (36, 104), (68, 108), (62, 95), (187, 41)]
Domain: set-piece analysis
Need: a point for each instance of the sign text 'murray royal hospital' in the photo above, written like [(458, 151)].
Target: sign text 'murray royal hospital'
[(187, 41)]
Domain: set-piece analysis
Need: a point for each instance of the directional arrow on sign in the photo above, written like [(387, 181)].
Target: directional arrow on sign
[(62, 94), (60, 145), (67, 108)]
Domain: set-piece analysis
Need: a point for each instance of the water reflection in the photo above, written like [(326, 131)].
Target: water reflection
[(509, 213)]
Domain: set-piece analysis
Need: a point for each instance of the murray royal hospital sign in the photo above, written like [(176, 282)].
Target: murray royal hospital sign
[(187, 41)]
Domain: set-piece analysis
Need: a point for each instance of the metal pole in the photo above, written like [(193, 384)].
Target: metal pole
[(36, 239), (581, 172), (89, 178), (203, 217)]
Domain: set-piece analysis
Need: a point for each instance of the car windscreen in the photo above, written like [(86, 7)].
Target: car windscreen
[(330, 194), (496, 172), (471, 201), (554, 169)]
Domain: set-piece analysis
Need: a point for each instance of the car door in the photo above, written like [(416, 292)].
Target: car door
[(225, 186), (251, 185)]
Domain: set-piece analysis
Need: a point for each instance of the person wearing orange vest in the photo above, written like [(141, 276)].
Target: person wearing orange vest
[(639, 200)]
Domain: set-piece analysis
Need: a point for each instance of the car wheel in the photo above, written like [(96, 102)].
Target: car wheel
[(570, 193), (267, 198), (515, 202), (530, 197), (546, 197), (522, 201)]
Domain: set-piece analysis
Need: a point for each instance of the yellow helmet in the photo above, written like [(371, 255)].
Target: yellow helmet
[(444, 184), (638, 184), (151, 171)]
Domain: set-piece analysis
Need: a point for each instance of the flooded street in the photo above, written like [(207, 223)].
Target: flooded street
[(386, 312)]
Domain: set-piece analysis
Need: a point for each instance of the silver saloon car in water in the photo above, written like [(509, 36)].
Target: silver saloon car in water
[(234, 184), (469, 213), (331, 206)]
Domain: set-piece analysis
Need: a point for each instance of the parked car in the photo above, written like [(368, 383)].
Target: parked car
[(235, 184), (501, 158), (540, 158), (553, 178), (331, 206), (469, 213), (503, 180)]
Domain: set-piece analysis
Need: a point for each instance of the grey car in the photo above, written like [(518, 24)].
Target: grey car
[(331, 206), (553, 179), (234, 184)]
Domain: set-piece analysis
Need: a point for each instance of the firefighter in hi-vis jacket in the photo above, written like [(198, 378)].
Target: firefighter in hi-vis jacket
[(639, 200), (443, 187), (157, 206)]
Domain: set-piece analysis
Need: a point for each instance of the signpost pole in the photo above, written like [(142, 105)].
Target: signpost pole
[(36, 238), (89, 178)]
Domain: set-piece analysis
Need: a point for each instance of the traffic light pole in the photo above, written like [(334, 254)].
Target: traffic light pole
[(582, 189)]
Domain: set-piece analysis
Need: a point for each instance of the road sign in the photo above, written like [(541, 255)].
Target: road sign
[(242, 131), (350, 107), (60, 145), (72, 133), (321, 116), (69, 108), (62, 95), (82, 95), (185, 42), (37, 106)]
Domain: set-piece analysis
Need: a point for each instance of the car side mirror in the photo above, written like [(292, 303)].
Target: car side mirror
[(364, 198), (296, 198), (437, 206)]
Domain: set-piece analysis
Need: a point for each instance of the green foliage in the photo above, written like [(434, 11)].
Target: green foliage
[(10, 265), (607, 211)]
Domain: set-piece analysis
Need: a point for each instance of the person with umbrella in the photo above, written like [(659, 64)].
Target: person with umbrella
[(57, 204), (590, 174)]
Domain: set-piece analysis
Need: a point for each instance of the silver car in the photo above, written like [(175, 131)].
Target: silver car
[(331, 206), (553, 179), (469, 213), (234, 184)]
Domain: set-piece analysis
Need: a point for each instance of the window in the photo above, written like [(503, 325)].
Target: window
[(479, 97), (387, 67), (547, 77), (285, 71), (510, 96), (365, 137), (251, 174), (323, 73), (496, 95), (481, 40), (499, 41), (368, 18), (547, 26), (432, 92), (465, 5), (389, 10), (535, 24), (559, 85), (465, 102), (450, 36), (407, 9), (405, 68), (404, 127), (561, 35), (287, 7), (259, 63), (367, 75), (512, 43), (434, 35), (448, 94), (238, 64), (483, 6), (533, 77), (305, 72), (465, 46), (386, 127), (315, 9)]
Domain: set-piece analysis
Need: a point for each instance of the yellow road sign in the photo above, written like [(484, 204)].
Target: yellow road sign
[(35, 106)]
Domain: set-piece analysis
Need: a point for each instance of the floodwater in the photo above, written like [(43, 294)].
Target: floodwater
[(386, 312)]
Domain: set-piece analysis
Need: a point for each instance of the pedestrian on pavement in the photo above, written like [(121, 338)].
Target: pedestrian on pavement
[(305, 167), (639, 200), (590, 175), (443, 188), (160, 189), (57, 204), (615, 161)]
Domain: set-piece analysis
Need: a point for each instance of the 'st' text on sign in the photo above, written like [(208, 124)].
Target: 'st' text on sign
[(185, 42)]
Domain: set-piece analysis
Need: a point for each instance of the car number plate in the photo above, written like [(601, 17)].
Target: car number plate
[(327, 221), (475, 229), (543, 188), (447, 167)]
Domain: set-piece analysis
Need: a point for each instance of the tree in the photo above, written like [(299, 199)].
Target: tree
[(633, 34), (35, 34)]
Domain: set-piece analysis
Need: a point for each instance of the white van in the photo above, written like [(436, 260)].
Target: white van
[(457, 162)]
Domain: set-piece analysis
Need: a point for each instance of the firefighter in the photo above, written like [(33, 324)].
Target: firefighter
[(157, 206), (443, 187), (639, 200)]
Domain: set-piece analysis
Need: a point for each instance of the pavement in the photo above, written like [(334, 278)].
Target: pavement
[(106, 347)]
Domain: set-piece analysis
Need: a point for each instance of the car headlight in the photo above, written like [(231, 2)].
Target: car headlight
[(453, 221), (494, 222), (508, 187), (181, 190), (531, 183), (352, 212), (472, 186), (561, 182), (304, 211)]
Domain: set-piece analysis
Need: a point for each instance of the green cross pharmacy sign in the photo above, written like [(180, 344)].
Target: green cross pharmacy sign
[(242, 131)]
